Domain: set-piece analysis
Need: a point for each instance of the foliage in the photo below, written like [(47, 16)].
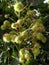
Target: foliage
[(24, 32)]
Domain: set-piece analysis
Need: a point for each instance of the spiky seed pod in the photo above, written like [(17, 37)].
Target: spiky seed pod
[(37, 45), (41, 37), (6, 38), (13, 38), (20, 21), (18, 7), (7, 16), (21, 59), (18, 39), (24, 34), (3, 27), (27, 56), (13, 26), (38, 27), (6, 23), (22, 52), (36, 51), (31, 13)]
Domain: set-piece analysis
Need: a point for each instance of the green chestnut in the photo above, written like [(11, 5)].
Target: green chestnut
[(38, 27), (3, 27), (36, 51), (18, 39), (41, 37), (24, 34), (20, 21), (6, 38), (37, 45), (35, 26), (7, 16), (13, 38), (44, 39), (13, 26), (27, 56), (31, 12), (6, 23), (18, 7), (22, 51), (21, 60)]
